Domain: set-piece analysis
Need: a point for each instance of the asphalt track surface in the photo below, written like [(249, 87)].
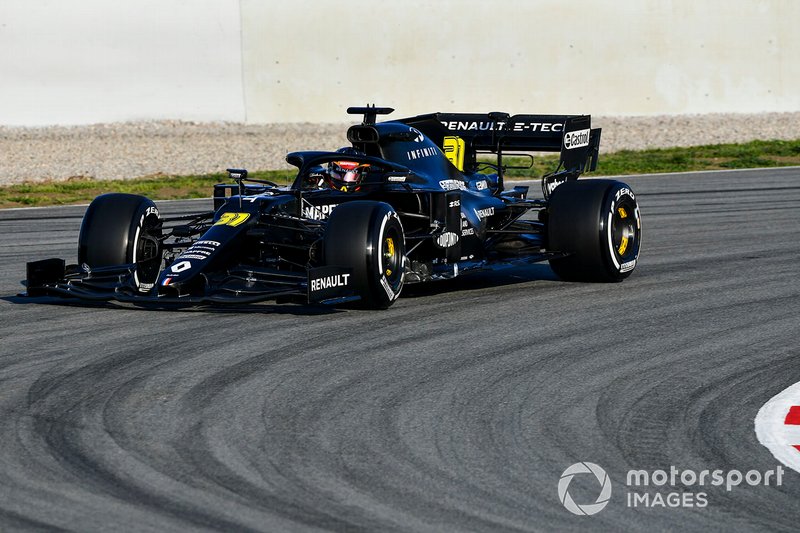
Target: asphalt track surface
[(456, 409)]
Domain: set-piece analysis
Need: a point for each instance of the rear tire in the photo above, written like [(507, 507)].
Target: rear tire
[(121, 229), (598, 223), (368, 237)]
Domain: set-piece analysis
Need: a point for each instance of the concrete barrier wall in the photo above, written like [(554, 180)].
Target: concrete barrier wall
[(309, 59), (86, 61), (89, 61)]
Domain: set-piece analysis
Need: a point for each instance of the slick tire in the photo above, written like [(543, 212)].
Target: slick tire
[(368, 237), (120, 229), (598, 223)]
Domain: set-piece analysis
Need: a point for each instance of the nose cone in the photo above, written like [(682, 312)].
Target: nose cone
[(177, 278), (217, 247)]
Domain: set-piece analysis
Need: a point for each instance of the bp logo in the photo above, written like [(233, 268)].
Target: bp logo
[(589, 508)]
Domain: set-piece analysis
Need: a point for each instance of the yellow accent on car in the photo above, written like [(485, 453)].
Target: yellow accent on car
[(453, 148), (232, 219), (622, 212), (623, 245), (389, 242)]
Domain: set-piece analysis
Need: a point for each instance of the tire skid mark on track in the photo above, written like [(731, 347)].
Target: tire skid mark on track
[(71, 434)]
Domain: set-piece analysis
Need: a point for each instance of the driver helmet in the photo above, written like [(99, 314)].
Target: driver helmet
[(346, 175)]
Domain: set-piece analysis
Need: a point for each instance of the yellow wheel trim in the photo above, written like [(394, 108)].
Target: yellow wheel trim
[(623, 245), (389, 242)]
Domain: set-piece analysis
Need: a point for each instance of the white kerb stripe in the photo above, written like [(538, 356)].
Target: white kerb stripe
[(772, 432)]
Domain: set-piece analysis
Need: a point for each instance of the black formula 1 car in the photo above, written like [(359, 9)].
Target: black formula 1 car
[(411, 201)]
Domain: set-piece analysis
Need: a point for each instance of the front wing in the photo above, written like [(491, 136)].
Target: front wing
[(241, 284)]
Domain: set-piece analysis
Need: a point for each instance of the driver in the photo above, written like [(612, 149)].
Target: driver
[(345, 175)]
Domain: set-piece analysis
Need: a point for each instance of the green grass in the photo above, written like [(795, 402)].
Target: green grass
[(754, 154), (83, 190)]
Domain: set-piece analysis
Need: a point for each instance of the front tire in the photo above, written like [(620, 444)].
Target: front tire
[(120, 229), (597, 222), (368, 237)]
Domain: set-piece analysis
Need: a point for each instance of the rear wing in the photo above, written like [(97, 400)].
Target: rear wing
[(462, 136)]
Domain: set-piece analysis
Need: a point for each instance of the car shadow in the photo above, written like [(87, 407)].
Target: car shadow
[(287, 308), (501, 277), (468, 282)]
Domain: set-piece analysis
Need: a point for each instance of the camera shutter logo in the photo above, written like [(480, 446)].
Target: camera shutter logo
[(589, 508)]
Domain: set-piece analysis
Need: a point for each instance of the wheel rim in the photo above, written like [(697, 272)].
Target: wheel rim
[(388, 256), (148, 254), (625, 231), (392, 260)]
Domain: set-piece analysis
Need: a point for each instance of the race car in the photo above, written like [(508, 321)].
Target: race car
[(412, 200)]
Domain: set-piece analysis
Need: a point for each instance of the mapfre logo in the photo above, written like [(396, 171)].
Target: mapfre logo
[(583, 468), (576, 139)]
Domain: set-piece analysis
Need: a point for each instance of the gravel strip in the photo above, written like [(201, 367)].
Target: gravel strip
[(128, 150)]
